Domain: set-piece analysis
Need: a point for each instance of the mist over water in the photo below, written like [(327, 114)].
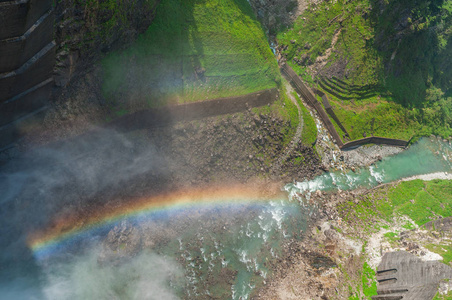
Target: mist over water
[(223, 250), (144, 276), (214, 249)]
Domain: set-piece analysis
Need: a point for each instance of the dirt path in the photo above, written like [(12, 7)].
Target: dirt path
[(297, 137)]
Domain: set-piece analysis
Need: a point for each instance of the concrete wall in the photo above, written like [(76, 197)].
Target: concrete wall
[(330, 111), (401, 275), (311, 99), (309, 96), (376, 140), (14, 52), (38, 69), (20, 15), (168, 115), (27, 58), (26, 102)]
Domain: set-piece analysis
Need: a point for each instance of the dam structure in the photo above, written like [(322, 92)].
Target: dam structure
[(27, 58)]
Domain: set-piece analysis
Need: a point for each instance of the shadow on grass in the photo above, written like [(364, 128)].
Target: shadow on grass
[(152, 69), (194, 50), (407, 38)]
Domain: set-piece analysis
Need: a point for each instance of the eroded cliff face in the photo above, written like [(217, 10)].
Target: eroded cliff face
[(84, 30), (278, 14)]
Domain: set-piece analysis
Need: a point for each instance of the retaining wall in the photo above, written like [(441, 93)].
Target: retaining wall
[(27, 58), (26, 102), (330, 111), (18, 16), (311, 99), (376, 140), (36, 70), (168, 115), (309, 96), (14, 52), (402, 275)]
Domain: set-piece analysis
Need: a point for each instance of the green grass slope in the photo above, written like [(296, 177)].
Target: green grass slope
[(421, 201), (194, 50), (387, 64)]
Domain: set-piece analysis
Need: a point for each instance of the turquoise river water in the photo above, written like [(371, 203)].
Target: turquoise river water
[(223, 251)]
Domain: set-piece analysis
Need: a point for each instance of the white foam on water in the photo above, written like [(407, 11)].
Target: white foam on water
[(233, 292), (256, 265), (224, 262), (334, 178), (278, 216), (265, 226), (317, 183), (379, 176), (248, 232), (243, 256)]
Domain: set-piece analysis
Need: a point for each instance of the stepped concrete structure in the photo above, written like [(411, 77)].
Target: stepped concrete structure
[(27, 58), (310, 98), (402, 275), (329, 109)]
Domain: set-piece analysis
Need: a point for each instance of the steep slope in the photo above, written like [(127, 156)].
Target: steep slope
[(385, 64), (193, 51)]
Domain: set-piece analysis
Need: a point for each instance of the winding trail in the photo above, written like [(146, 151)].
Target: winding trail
[(297, 136)]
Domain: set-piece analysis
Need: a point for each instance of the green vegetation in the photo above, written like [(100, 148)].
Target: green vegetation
[(388, 68), (375, 117), (285, 109), (192, 51), (420, 201), (369, 281), (447, 296), (105, 21), (444, 249), (391, 236), (289, 111), (309, 134)]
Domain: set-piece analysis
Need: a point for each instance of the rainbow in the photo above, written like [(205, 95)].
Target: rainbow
[(67, 228)]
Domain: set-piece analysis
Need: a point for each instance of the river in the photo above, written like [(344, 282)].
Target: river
[(222, 244)]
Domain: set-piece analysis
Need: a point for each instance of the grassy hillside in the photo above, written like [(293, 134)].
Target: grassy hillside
[(392, 212), (386, 65), (421, 201), (194, 50)]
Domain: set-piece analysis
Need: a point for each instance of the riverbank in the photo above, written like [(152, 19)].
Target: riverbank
[(333, 158), (351, 231), (431, 176)]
